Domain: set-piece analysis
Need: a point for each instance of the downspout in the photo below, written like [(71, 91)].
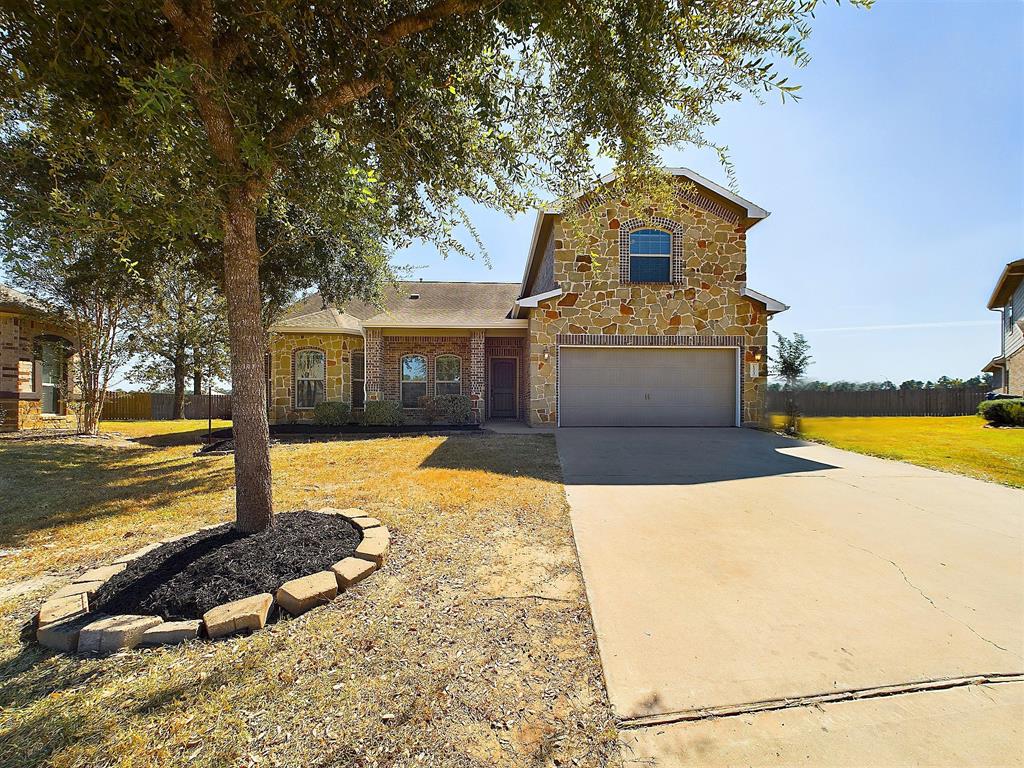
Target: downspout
[(1004, 385)]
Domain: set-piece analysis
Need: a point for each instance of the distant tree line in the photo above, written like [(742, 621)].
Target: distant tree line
[(943, 382)]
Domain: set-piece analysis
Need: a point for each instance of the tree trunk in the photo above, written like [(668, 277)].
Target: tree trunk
[(179, 384), (197, 377), (254, 506)]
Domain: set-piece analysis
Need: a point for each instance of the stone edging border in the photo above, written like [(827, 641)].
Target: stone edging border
[(64, 622)]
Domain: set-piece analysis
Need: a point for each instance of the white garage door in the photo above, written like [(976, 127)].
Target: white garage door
[(660, 387)]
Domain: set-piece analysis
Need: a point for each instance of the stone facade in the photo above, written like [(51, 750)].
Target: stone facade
[(20, 375), (703, 299), (337, 349)]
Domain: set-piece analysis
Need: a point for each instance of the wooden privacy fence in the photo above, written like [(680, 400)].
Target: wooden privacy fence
[(135, 406), (882, 402)]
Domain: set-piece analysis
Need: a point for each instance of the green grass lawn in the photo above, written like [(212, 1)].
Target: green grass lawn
[(952, 443)]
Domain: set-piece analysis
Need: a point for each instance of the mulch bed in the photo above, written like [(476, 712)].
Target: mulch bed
[(186, 578), (283, 430)]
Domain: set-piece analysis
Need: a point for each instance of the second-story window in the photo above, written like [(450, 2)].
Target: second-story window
[(650, 256)]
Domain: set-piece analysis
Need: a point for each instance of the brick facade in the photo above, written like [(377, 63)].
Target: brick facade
[(599, 303), (20, 375)]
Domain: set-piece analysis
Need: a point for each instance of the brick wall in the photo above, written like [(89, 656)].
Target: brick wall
[(394, 348), (508, 346), (1015, 373), (20, 386)]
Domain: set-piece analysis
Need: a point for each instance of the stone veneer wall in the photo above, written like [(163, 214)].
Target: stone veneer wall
[(20, 404), (708, 272), (337, 349), (1015, 373)]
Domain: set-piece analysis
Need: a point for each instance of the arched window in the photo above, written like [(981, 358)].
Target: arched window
[(310, 378), (448, 375), (414, 380), (50, 354), (650, 256)]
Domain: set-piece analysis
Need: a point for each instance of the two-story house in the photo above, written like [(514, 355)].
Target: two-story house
[(1007, 368), (647, 321)]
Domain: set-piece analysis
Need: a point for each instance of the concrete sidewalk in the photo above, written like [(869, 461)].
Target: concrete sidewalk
[(726, 567)]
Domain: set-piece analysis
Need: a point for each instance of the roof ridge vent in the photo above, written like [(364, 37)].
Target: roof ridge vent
[(414, 295)]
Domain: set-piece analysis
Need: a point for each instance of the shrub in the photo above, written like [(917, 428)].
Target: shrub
[(332, 413), (383, 413), (447, 409), (1008, 411)]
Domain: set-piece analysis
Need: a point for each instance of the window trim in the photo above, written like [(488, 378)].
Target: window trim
[(666, 257), (439, 380), (295, 377), (402, 380)]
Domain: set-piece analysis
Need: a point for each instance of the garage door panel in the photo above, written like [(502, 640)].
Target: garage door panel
[(647, 387)]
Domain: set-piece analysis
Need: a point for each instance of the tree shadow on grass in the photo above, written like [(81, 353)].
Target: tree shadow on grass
[(48, 485), (512, 455), (170, 439)]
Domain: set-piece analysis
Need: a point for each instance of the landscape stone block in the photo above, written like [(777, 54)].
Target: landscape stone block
[(114, 633), (125, 559), (61, 608), (299, 595), (364, 523), (78, 588), (63, 635), (103, 573), (249, 613), (374, 546), (352, 570), (171, 632)]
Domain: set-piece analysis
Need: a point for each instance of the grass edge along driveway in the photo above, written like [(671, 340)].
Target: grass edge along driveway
[(960, 444)]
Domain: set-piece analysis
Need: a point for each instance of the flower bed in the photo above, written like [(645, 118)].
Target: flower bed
[(198, 585)]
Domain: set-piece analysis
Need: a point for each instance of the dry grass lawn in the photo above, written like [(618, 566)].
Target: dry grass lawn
[(473, 646)]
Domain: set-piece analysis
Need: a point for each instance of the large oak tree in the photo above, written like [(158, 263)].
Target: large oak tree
[(370, 120)]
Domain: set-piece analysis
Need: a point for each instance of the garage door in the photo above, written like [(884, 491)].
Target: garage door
[(626, 387)]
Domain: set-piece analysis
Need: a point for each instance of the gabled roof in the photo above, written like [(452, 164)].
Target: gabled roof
[(1012, 274), (16, 301), (436, 305), (749, 213)]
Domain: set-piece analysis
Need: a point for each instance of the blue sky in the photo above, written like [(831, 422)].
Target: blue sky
[(896, 187)]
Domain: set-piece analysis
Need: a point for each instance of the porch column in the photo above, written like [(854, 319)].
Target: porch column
[(477, 365), (373, 361)]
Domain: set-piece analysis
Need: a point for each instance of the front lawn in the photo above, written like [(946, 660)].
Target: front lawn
[(950, 443), (473, 646)]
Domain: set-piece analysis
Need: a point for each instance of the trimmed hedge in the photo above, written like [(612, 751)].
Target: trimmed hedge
[(1005, 412), (447, 409), (383, 413), (331, 413)]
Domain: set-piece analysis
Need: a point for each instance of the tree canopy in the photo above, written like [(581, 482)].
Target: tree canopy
[(364, 123)]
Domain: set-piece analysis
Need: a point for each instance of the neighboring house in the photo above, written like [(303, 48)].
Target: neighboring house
[(36, 363), (659, 329), (1007, 368)]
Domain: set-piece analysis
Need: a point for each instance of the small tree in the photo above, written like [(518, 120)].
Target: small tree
[(91, 291), (792, 359), (179, 330)]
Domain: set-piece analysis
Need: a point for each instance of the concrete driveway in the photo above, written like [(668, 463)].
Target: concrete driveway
[(753, 595)]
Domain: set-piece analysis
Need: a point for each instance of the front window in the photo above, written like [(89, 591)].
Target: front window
[(358, 379), (414, 380), (650, 256), (448, 375), (310, 378), (51, 368)]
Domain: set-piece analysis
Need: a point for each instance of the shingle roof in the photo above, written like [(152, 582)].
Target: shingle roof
[(11, 299), (1011, 277), (437, 304)]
